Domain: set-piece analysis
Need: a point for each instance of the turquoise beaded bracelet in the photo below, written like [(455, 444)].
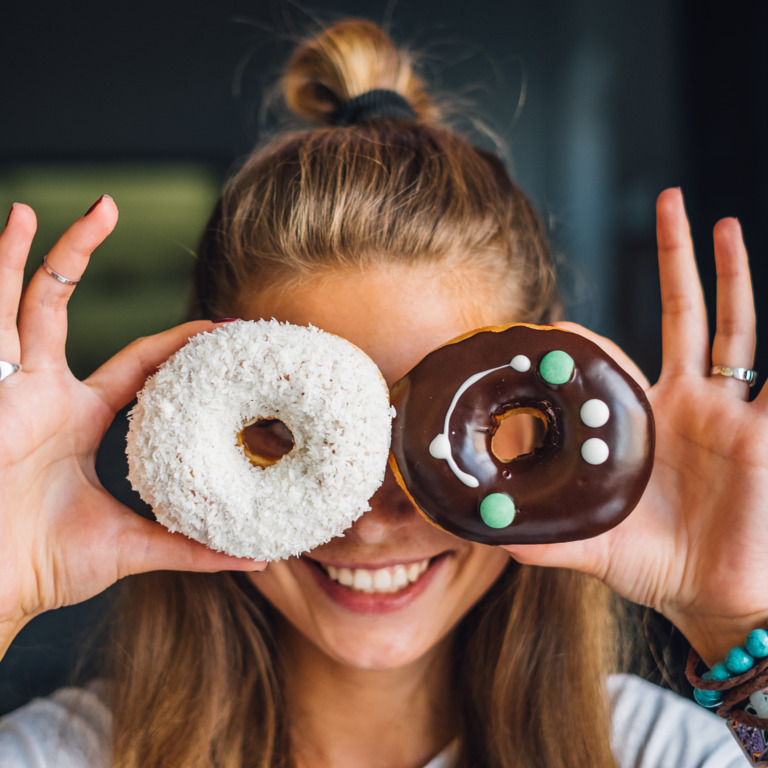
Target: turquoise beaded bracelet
[(736, 687), (738, 661)]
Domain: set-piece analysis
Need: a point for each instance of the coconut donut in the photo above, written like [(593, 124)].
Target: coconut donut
[(586, 474), (261, 439)]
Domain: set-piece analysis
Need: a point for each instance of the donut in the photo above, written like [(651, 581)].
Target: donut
[(585, 474), (261, 439)]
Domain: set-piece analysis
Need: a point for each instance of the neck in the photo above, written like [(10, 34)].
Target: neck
[(342, 717)]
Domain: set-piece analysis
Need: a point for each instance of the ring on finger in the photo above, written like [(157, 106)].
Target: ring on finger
[(741, 374), (56, 275), (8, 369)]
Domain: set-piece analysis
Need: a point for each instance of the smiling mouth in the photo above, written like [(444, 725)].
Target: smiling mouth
[(379, 580)]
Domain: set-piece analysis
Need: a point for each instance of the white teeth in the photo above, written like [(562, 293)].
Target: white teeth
[(385, 580), (382, 579), (399, 577), (362, 580)]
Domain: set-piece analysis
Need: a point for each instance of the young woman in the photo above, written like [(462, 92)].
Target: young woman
[(384, 227)]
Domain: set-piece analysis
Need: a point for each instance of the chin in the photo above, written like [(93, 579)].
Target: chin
[(382, 615), (378, 653)]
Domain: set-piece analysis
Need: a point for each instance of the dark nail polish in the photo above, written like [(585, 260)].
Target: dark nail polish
[(102, 198), (225, 320), (93, 206), (9, 214)]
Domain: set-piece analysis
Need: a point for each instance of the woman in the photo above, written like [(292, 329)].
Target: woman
[(386, 228)]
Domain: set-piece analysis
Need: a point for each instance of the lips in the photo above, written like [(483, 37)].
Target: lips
[(382, 580), (374, 589)]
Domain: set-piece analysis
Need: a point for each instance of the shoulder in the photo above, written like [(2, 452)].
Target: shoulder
[(69, 729), (655, 728)]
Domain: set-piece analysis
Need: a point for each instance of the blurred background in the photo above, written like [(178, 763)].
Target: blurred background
[(600, 105)]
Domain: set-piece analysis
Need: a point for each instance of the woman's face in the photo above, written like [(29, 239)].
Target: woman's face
[(427, 578)]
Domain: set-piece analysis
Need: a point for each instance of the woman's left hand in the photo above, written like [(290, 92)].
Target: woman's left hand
[(694, 548)]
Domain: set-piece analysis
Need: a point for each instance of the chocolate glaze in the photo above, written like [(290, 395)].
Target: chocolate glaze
[(557, 494)]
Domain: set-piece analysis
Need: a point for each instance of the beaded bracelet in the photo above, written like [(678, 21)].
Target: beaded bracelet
[(736, 687)]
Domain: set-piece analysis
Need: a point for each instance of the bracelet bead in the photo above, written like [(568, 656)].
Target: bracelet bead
[(718, 672), (738, 661), (759, 702), (757, 643), (708, 699)]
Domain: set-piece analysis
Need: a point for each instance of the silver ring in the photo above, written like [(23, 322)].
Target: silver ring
[(56, 275), (8, 369), (742, 374)]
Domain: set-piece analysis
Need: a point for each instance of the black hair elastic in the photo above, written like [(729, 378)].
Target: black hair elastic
[(380, 102)]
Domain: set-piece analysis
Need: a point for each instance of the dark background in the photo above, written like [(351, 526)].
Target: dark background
[(601, 105)]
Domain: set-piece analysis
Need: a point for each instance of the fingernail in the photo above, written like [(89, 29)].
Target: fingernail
[(103, 197), (9, 214), (225, 320)]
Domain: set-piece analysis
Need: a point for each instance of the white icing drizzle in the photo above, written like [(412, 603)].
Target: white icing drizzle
[(440, 447), (594, 413), (594, 451), (521, 363)]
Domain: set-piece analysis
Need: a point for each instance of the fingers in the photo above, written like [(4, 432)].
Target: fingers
[(146, 546), (735, 332), (587, 556), (684, 321), (118, 380), (685, 338), (15, 242), (43, 316)]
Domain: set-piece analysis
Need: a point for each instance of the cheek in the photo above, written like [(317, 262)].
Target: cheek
[(483, 567), (278, 585)]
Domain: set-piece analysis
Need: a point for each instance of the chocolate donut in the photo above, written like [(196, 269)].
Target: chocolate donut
[(586, 474)]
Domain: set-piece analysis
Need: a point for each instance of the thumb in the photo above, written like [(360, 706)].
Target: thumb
[(587, 556), (144, 545)]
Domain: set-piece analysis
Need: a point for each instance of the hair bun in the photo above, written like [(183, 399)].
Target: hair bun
[(346, 60)]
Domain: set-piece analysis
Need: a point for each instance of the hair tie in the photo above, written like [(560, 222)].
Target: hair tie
[(378, 103)]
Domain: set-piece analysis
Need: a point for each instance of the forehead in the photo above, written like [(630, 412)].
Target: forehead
[(396, 314)]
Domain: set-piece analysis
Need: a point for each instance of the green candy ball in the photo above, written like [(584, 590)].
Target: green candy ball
[(497, 510), (556, 367)]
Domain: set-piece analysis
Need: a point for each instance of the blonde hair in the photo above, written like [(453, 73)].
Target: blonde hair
[(383, 191), (196, 669)]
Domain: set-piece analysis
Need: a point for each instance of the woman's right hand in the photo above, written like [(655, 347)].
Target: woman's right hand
[(63, 538)]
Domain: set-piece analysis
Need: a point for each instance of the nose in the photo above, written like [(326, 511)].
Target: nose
[(391, 511)]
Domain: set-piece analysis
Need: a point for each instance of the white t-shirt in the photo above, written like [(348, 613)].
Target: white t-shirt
[(652, 728)]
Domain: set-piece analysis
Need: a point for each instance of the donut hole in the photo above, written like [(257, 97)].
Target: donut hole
[(265, 441), (517, 432)]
